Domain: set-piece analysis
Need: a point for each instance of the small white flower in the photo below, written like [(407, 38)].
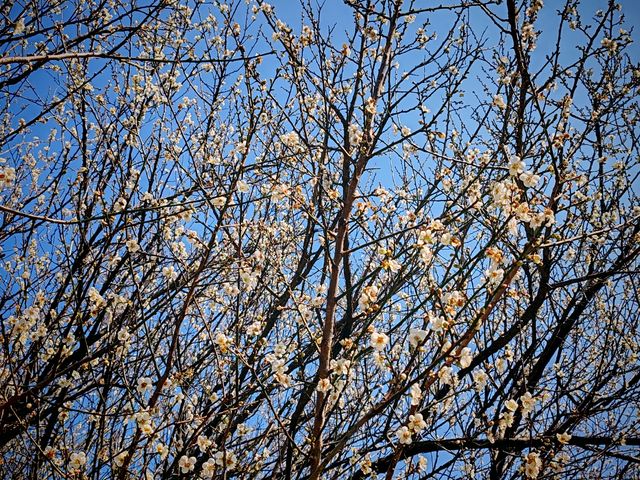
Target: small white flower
[(219, 202), (187, 464), (365, 464), (254, 329), (77, 460), (417, 423), (19, 26), (291, 139), (340, 366), (532, 465), (529, 179), (132, 246), (498, 101), (511, 405), (494, 276), (324, 385), (610, 44), (379, 341), (120, 458), (144, 385), (392, 265), (416, 394), (123, 335), (464, 360), (209, 468), (227, 459), (516, 166), (96, 301), (369, 297), (416, 336), (404, 435), (147, 197), (7, 176), (169, 272), (162, 450), (203, 443), (370, 106), (120, 204), (479, 379), (243, 187), (223, 342), (145, 422), (528, 401), (436, 323)]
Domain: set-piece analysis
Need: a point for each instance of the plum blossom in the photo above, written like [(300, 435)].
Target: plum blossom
[(379, 341), (324, 385), (209, 468), (145, 385), (532, 465), (226, 459), (480, 379), (416, 423), (529, 179), (465, 358), (77, 460), (404, 435), (416, 336), (187, 464), (511, 405)]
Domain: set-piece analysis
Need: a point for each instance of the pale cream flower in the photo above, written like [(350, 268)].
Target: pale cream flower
[(499, 102), (516, 166), (223, 342), (254, 329), (563, 437), (227, 459), (324, 385), (209, 468), (379, 341), (132, 246), (529, 179), (243, 187), (416, 336), (465, 358), (532, 465), (77, 460), (162, 450), (187, 464), (120, 459), (479, 379), (511, 405), (203, 443), (528, 401), (404, 435), (417, 423), (436, 323), (340, 366), (416, 394), (144, 385)]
